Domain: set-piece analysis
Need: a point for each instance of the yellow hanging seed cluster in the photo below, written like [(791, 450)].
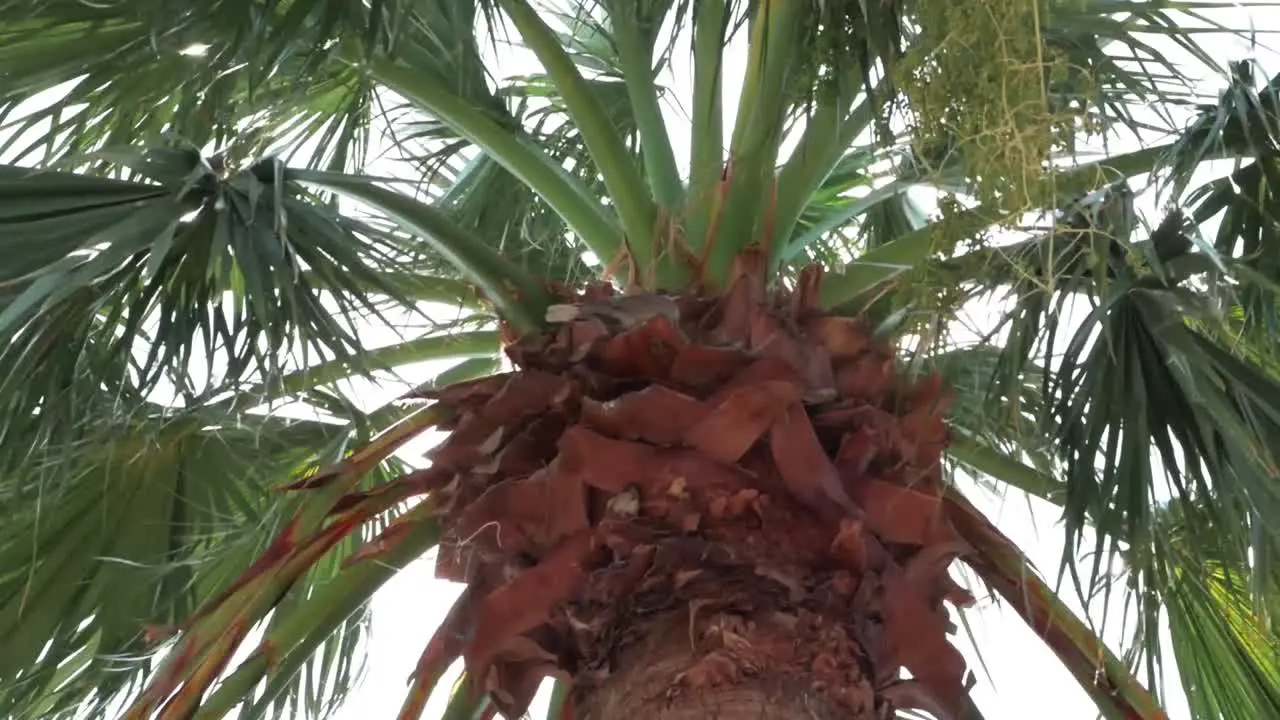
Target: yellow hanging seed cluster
[(978, 80)]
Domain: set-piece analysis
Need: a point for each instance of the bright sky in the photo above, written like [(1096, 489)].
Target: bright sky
[(1017, 675)]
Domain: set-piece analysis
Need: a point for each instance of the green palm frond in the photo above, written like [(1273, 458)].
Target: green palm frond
[(496, 205), (135, 283), (199, 79), (130, 526), (1158, 396), (1220, 622), (1151, 363)]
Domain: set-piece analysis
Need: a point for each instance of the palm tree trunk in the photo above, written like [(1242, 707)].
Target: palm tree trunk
[(728, 507), (723, 666)]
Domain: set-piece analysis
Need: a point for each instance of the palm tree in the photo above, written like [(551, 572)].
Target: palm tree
[(719, 471)]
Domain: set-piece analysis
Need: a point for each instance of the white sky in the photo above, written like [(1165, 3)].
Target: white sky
[(1024, 677)]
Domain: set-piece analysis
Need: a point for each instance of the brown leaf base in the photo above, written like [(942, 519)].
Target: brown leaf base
[(693, 665), (747, 457)]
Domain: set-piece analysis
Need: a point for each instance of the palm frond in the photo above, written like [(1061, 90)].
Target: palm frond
[(1157, 398), (1220, 619), (243, 77), (186, 281), (125, 530)]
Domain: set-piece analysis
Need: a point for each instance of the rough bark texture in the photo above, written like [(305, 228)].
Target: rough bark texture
[(750, 670), (744, 456)]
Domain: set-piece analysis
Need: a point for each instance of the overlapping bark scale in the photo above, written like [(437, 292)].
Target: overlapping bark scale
[(741, 466)]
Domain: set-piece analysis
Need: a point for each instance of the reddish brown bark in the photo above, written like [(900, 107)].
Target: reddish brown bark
[(727, 668), (725, 507)]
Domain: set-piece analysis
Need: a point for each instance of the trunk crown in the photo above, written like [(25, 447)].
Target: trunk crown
[(744, 465)]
